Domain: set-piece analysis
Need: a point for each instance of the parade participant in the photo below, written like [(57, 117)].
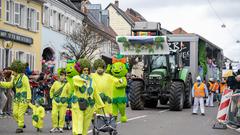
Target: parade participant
[(72, 69), (119, 70), (103, 82), (22, 90), (38, 114), (199, 91), (59, 97), (212, 89), (85, 99)]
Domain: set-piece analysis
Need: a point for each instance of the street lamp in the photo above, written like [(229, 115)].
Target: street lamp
[(7, 45)]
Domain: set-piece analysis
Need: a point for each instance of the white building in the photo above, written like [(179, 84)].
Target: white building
[(60, 17)]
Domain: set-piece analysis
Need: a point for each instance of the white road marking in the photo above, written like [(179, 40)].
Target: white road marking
[(164, 111), (134, 118), (131, 119)]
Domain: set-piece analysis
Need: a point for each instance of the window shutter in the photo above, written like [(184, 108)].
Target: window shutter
[(38, 21), (3, 58), (51, 18), (16, 13), (17, 55), (29, 18), (7, 11)]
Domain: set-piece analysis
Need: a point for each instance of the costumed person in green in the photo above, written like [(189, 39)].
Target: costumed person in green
[(119, 70), (85, 99), (104, 83), (59, 98), (71, 69), (38, 114), (22, 97)]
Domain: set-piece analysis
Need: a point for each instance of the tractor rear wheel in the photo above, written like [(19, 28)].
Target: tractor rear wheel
[(135, 95), (176, 98)]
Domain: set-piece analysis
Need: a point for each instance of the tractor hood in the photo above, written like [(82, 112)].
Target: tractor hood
[(158, 73)]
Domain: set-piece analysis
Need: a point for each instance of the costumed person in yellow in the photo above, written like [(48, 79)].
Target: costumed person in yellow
[(22, 97), (59, 97), (199, 91), (104, 85), (212, 89), (85, 99), (119, 70), (38, 114)]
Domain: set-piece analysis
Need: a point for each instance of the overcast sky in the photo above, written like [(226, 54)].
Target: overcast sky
[(194, 16)]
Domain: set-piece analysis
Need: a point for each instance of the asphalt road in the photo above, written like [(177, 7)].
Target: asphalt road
[(158, 121)]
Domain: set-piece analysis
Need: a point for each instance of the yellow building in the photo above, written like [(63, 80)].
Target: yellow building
[(20, 32)]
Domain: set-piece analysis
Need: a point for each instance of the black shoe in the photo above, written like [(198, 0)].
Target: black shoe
[(202, 114), (194, 114), (24, 126), (19, 130)]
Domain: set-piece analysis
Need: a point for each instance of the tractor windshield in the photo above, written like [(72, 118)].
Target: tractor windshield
[(159, 61)]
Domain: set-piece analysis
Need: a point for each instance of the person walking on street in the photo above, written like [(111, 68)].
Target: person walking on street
[(212, 89), (22, 93), (38, 114), (199, 91), (59, 97)]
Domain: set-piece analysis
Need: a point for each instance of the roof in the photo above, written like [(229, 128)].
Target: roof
[(71, 5), (122, 13), (94, 6), (147, 26), (107, 31), (179, 31), (134, 15)]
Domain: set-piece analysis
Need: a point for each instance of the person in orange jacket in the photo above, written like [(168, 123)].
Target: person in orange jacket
[(212, 89), (222, 87), (199, 91)]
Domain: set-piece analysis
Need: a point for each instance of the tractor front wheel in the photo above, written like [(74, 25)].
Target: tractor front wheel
[(176, 98)]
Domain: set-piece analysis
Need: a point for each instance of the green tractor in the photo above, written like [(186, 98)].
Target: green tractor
[(165, 79)]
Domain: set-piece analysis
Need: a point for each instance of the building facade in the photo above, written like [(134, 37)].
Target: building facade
[(60, 17), (20, 32), (120, 22)]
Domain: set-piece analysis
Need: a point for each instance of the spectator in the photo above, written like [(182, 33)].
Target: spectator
[(233, 82), (9, 92), (28, 71), (3, 98)]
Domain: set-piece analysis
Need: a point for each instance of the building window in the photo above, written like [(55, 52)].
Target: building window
[(55, 20), (62, 23), (46, 16), (16, 13), (33, 20), (23, 16)]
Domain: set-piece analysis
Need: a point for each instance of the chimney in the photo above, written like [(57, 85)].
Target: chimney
[(117, 3)]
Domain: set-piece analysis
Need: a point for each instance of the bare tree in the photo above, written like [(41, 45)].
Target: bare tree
[(82, 43)]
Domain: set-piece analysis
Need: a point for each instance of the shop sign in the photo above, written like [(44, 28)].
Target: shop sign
[(15, 37)]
